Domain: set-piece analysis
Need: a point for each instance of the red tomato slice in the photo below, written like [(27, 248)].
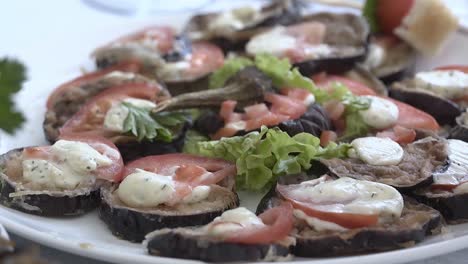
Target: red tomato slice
[(411, 117), (399, 134), (162, 36), (205, 58), (112, 172), (462, 68), (335, 109), (326, 137), (285, 106), (90, 118), (296, 93), (256, 111), (278, 224), (325, 81), (168, 164), (348, 220), (227, 108), (390, 13), (128, 66)]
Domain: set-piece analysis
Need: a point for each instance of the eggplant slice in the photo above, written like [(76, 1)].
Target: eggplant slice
[(74, 98), (420, 160), (453, 205), (188, 243), (460, 130), (41, 202), (443, 110), (279, 12), (398, 62), (134, 223), (416, 222), (361, 74), (347, 35)]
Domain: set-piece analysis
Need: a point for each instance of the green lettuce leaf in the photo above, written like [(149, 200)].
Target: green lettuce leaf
[(261, 157), (230, 68), (192, 138)]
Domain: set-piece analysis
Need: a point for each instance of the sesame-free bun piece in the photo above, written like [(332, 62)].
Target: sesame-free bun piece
[(426, 27)]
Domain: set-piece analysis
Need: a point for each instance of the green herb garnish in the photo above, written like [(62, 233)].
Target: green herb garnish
[(12, 76), (143, 125)]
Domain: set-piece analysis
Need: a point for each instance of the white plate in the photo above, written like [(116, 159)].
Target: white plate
[(87, 235)]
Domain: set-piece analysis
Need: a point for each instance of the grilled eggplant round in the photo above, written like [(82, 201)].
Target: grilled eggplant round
[(420, 160), (283, 12), (194, 244), (41, 202), (416, 222), (460, 130), (134, 223), (71, 100), (347, 34), (397, 63), (454, 207), (443, 110)]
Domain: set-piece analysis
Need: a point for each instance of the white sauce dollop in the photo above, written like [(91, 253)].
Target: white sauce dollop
[(448, 84), (381, 113), (275, 41), (75, 164), (147, 189), (233, 220), (376, 151)]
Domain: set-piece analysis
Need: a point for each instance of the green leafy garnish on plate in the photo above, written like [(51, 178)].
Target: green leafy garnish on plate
[(12, 76), (369, 12), (229, 69), (144, 125), (261, 157)]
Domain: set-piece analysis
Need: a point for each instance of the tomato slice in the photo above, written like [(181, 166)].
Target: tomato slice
[(325, 81), (390, 13), (111, 173), (278, 224), (411, 117), (169, 164), (205, 58), (127, 66), (326, 137), (91, 116), (318, 210), (162, 37), (462, 68), (399, 134)]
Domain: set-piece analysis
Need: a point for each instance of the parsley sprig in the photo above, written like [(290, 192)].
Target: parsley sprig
[(146, 126), (12, 76)]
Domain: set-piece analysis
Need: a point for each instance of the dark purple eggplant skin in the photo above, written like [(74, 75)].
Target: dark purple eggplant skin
[(443, 110), (43, 204), (453, 207), (329, 65), (398, 75), (133, 225), (460, 130), (176, 244), (314, 121), (363, 240)]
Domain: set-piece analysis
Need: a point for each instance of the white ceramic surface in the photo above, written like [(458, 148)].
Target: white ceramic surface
[(62, 53)]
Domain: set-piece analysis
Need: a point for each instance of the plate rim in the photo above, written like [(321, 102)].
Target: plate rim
[(414, 253)]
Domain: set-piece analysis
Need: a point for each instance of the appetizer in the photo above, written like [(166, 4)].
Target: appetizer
[(385, 161), (344, 216), (182, 65), (59, 180), (236, 235), (231, 29), (449, 194), (172, 190)]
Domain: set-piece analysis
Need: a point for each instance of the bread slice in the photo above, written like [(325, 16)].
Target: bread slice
[(427, 26)]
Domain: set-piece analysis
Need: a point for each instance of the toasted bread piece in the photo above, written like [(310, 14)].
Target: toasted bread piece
[(427, 26)]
